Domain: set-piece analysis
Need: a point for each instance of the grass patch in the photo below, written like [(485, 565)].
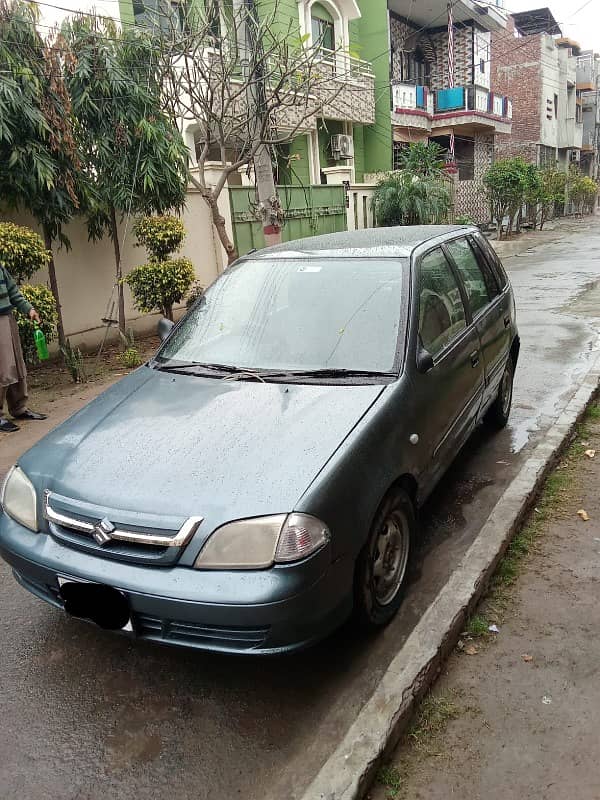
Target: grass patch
[(478, 626), (391, 778), (434, 714), (423, 739), (558, 490)]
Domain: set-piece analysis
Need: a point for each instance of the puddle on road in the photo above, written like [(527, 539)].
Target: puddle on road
[(586, 303)]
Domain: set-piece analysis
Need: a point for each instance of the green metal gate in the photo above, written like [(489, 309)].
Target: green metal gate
[(308, 211)]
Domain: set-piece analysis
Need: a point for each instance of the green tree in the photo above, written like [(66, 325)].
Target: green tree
[(132, 151), (553, 192), (163, 281), (404, 199), (505, 184), (533, 191), (40, 169), (581, 189)]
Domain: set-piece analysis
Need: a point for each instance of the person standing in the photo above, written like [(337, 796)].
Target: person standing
[(13, 374)]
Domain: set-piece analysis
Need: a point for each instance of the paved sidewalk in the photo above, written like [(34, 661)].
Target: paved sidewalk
[(553, 231), (516, 715)]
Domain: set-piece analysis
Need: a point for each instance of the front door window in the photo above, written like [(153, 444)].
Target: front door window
[(441, 309)]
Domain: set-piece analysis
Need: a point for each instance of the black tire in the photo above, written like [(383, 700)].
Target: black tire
[(498, 413), (377, 598)]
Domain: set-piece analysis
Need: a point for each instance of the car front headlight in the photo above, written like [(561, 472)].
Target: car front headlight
[(18, 499), (261, 542)]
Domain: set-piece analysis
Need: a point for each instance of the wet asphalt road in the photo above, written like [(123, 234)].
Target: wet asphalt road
[(86, 715)]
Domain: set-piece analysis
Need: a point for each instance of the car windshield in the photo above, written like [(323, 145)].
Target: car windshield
[(296, 315)]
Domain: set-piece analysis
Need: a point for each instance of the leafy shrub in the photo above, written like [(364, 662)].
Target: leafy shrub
[(194, 293), (425, 159), (581, 189), (157, 286), (42, 299), (160, 235), (130, 358), (404, 199), (22, 251), (554, 182), (464, 219)]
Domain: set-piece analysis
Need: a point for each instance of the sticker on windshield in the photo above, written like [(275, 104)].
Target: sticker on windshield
[(309, 269)]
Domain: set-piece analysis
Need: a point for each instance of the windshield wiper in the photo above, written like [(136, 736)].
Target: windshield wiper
[(184, 366), (339, 373)]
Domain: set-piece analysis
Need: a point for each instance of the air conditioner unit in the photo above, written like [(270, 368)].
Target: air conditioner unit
[(574, 155), (342, 146)]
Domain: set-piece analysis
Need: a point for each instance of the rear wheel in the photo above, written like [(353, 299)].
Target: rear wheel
[(382, 565), (498, 413)]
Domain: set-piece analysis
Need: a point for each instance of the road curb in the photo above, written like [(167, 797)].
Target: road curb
[(349, 771)]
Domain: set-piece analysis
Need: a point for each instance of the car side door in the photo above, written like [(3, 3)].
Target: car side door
[(489, 307), (449, 365)]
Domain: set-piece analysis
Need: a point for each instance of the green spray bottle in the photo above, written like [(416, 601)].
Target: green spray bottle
[(40, 343)]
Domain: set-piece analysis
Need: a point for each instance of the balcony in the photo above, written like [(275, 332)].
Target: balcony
[(412, 106), (417, 107), (472, 106), (356, 82)]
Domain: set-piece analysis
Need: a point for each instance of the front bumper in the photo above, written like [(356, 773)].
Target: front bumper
[(278, 610)]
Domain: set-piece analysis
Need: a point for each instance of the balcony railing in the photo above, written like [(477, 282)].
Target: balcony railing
[(472, 98), (411, 97), (345, 66)]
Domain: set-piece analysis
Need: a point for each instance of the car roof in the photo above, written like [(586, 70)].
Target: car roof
[(398, 241)]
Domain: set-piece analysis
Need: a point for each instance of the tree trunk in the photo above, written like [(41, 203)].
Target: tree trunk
[(54, 287), (219, 223), (267, 196), (118, 269), (168, 311)]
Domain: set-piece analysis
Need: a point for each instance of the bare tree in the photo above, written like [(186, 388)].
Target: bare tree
[(246, 83)]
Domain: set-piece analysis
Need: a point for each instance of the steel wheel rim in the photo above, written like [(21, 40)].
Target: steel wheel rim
[(390, 558), (506, 392)]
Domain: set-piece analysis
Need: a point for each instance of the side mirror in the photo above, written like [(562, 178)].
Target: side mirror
[(165, 326), (424, 361)]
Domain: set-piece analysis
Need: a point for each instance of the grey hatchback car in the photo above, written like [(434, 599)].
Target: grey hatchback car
[(259, 480)]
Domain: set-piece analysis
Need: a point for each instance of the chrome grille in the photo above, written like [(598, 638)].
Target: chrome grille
[(92, 532)]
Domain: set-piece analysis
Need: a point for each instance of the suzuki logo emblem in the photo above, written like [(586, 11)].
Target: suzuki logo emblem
[(102, 531)]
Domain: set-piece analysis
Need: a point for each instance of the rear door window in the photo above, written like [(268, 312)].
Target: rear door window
[(441, 310), (469, 269)]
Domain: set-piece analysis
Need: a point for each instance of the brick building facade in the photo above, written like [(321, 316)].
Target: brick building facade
[(538, 70), (516, 73)]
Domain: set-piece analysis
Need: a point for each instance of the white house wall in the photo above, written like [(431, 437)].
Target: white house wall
[(86, 273)]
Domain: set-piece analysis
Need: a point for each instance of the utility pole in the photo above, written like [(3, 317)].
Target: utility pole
[(246, 17)]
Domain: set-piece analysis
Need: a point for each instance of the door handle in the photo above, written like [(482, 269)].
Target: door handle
[(507, 320), (474, 358)]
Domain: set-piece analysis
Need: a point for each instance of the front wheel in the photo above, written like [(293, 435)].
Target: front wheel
[(498, 413), (382, 565)]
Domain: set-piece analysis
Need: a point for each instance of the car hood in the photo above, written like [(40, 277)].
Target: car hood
[(172, 445)]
